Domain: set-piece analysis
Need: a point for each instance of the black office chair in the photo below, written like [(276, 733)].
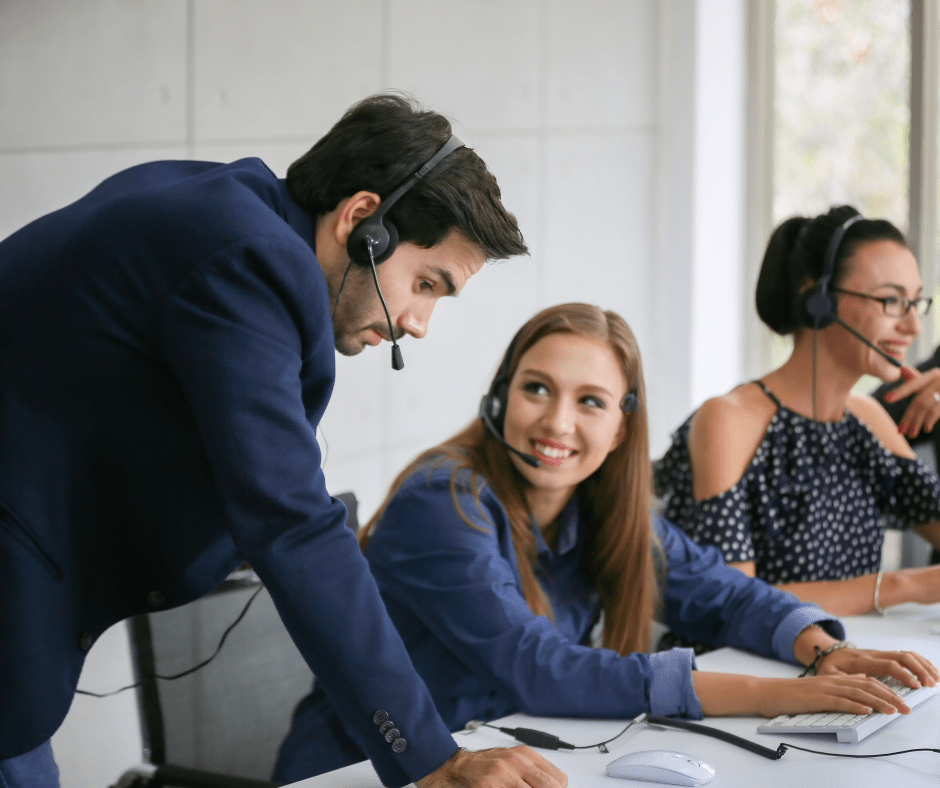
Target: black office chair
[(221, 726)]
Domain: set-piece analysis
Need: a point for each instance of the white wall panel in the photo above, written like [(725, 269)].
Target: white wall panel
[(599, 235), (277, 155), (282, 68), (600, 63), (91, 73), (493, 45), (353, 421), (363, 476), (36, 183)]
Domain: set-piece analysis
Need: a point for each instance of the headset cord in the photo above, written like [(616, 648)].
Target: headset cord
[(548, 741), (397, 362), (815, 334), (342, 285), (185, 672)]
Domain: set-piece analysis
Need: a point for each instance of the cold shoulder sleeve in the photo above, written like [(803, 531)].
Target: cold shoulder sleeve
[(724, 521)]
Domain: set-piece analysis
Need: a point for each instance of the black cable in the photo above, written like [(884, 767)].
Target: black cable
[(851, 755), (548, 741), (815, 333), (189, 670), (397, 362), (342, 284), (730, 738)]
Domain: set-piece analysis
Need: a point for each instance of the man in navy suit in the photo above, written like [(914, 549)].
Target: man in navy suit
[(166, 353)]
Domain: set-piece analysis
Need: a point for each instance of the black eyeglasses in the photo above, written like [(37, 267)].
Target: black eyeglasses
[(894, 306)]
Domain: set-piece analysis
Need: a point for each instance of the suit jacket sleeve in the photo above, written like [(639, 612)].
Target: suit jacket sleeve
[(248, 337)]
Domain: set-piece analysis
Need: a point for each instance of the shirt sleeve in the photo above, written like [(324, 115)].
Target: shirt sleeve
[(248, 339), (724, 522), (460, 581), (708, 601), (910, 493)]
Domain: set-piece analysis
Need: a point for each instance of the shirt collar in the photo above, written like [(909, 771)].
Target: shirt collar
[(567, 531)]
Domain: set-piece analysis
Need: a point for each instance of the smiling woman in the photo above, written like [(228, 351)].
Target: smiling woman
[(497, 552), (792, 476)]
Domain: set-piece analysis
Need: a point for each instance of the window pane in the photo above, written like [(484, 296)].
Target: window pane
[(842, 107), (842, 111)]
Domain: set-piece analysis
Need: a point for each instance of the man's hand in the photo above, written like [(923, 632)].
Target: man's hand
[(505, 767)]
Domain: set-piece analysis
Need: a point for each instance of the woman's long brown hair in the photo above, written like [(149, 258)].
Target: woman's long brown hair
[(614, 500)]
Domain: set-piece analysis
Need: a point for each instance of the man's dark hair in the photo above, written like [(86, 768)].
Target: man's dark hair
[(376, 146)]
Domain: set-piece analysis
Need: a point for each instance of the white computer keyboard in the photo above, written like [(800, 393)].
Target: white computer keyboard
[(850, 728)]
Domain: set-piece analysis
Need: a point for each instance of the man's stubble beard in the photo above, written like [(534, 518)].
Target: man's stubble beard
[(351, 314)]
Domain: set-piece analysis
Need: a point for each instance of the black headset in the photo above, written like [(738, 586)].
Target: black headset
[(493, 404), (817, 308), (374, 239), (376, 235)]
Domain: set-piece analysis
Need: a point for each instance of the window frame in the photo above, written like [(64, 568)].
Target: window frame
[(924, 141)]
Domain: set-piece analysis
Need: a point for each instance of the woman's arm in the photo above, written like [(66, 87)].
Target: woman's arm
[(856, 595), (453, 591), (843, 682), (723, 694)]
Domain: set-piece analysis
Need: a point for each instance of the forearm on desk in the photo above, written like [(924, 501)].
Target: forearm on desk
[(857, 595)]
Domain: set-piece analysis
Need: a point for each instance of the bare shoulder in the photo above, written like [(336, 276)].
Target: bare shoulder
[(871, 413), (723, 437)]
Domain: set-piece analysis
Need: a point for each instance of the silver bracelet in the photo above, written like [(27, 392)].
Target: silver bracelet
[(878, 607)]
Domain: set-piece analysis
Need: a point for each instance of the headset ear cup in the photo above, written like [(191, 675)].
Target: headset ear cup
[(630, 402), (391, 233), (817, 309), (382, 235)]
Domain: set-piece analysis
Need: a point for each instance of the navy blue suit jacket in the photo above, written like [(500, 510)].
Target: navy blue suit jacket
[(166, 352)]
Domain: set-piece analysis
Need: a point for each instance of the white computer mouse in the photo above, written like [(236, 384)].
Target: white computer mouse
[(662, 766)]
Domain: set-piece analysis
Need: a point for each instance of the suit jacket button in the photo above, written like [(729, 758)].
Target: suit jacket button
[(379, 717), (392, 734), (386, 726), (85, 640), (399, 745), (156, 599)]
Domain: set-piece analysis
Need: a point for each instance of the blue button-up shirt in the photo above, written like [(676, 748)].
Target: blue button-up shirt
[(454, 592)]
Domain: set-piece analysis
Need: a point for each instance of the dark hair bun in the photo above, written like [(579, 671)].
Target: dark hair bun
[(774, 297), (796, 258)]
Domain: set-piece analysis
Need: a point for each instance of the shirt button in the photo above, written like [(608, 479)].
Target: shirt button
[(392, 734), (156, 599), (386, 726), (85, 640), (379, 717), (399, 745)]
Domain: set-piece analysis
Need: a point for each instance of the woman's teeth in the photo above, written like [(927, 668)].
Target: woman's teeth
[(551, 451)]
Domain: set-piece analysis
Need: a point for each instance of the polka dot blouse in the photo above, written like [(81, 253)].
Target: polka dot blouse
[(812, 505)]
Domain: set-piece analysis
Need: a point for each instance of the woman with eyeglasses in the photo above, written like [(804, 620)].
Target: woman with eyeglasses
[(497, 551), (793, 476)]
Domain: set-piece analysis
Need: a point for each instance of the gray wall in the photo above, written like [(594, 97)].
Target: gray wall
[(613, 126)]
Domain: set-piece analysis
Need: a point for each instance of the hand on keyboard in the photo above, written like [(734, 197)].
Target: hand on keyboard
[(849, 728), (908, 668), (855, 694)]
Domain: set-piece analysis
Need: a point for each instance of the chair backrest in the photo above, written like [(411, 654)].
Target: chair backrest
[(230, 716)]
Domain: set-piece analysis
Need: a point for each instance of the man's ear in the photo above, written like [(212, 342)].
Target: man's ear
[(353, 210)]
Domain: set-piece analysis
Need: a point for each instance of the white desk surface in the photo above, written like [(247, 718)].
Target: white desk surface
[(910, 627)]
